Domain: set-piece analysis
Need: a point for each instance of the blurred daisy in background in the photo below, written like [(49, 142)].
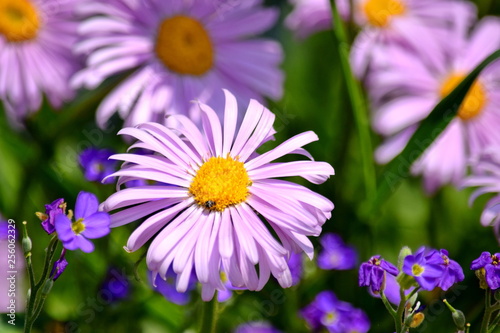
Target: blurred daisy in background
[(486, 177), (407, 88), (36, 59), (425, 27), (310, 16), (223, 200), (175, 53)]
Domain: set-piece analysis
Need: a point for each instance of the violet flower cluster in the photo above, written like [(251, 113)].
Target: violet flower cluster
[(326, 311)]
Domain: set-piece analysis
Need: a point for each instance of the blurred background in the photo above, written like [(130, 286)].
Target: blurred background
[(39, 164)]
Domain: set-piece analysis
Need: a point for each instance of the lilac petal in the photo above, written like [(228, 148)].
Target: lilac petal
[(264, 126), (252, 117), (96, 225), (285, 148), (164, 147), (188, 129), (315, 172), (86, 205), (212, 129), (153, 224), (230, 120), (178, 147)]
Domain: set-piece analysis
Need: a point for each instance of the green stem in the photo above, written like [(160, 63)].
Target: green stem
[(398, 321), (35, 303), (388, 305), (209, 316), (494, 323), (487, 312), (358, 104)]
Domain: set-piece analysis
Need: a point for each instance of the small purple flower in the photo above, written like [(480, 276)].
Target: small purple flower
[(425, 268), (59, 266), (489, 265), (89, 223), (116, 286), (334, 315), (336, 254), (256, 327), (97, 165), (296, 269), (452, 272), (53, 209), (357, 322), (168, 289), (4, 230), (372, 273)]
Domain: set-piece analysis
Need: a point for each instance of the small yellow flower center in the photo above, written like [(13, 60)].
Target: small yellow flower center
[(19, 20), (330, 318), (223, 277), (380, 12), (78, 226), (184, 46), (417, 270), (220, 182), (473, 102)]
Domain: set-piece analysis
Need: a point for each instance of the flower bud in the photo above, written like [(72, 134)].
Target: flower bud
[(405, 251), (481, 275), (457, 315), (414, 319), (27, 245)]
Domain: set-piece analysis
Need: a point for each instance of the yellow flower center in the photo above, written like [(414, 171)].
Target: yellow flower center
[(220, 182), (330, 318), (380, 12), (184, 46), (473, 102), (417, 270), (19, 20), (78, 226)]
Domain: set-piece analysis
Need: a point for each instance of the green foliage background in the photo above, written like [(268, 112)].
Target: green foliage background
[(39, 164)]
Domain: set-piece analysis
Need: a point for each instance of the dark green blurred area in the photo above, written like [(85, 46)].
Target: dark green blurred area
[(39, 164)]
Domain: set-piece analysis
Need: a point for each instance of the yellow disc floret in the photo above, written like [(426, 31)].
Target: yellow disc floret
[(184, 46), (220, 182), (19, 20), (473, 102), (380, 12), (78, 226)]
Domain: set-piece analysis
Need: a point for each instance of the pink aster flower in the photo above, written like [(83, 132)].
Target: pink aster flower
[(487, 178), (423, 26), (310, 16), (408, 88), (36, 37), (222, 201), (177, 52)]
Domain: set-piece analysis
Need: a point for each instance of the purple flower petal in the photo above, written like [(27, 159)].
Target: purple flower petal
[(96, 225), (86, 205)]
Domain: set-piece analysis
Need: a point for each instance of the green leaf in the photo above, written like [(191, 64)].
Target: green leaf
[(429, 129), (358, 103)]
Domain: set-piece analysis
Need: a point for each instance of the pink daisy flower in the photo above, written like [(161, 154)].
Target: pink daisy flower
[(310, 16), (423, 26), (222, 201), (36, 38), (408, 88), (177, 52), (487, 177)]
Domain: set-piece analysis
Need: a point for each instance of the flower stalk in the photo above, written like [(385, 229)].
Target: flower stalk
[(38, 291)]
